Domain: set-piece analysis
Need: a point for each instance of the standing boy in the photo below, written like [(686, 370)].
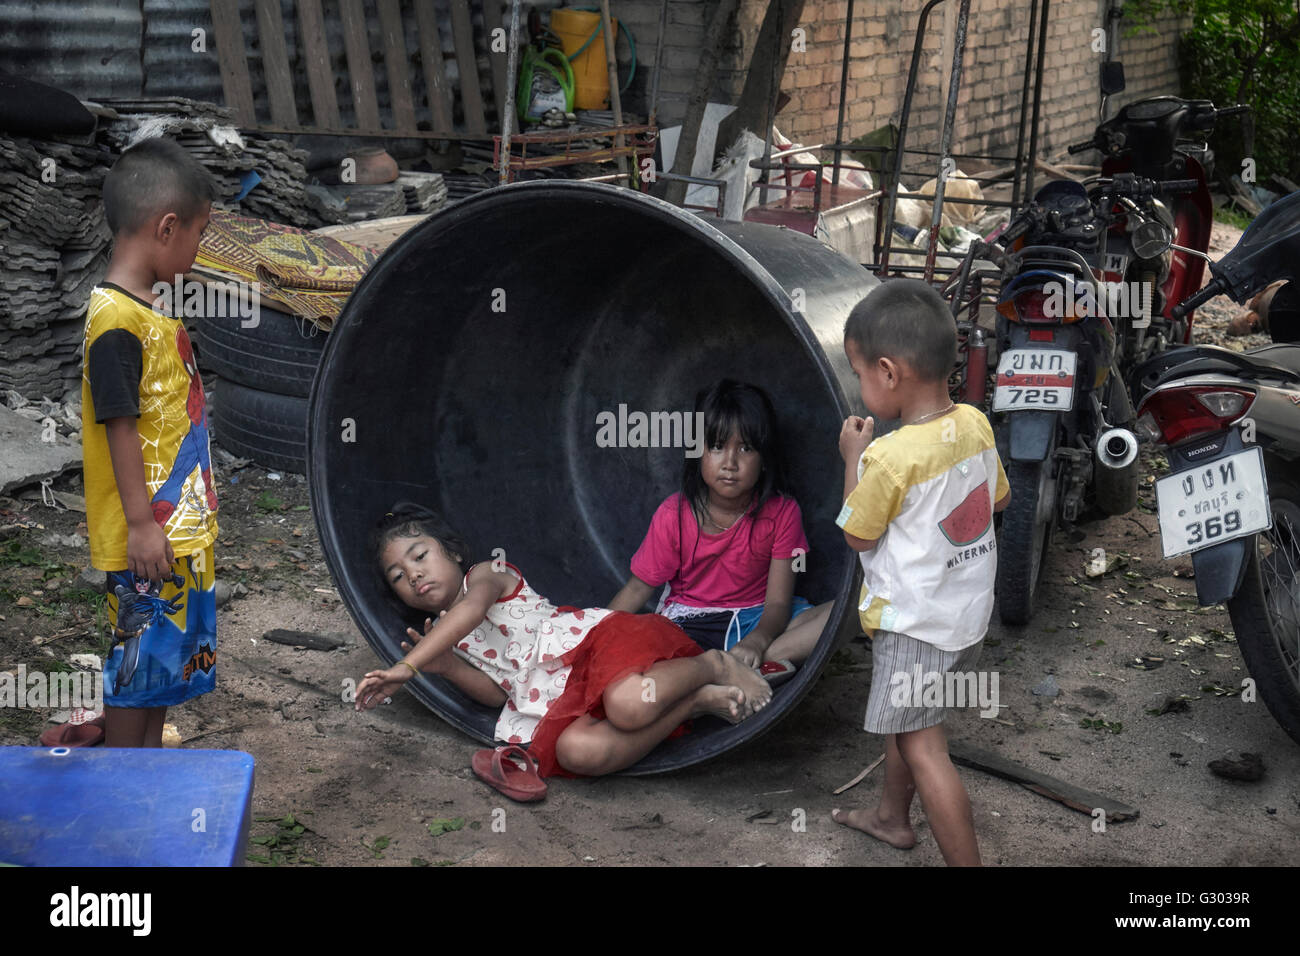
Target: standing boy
[(918, 508), (150, 503)]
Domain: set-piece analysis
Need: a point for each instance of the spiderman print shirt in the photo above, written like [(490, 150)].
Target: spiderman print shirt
[(139, 363)]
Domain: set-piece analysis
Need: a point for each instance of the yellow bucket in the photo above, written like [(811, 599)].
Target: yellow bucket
[(590, 71)]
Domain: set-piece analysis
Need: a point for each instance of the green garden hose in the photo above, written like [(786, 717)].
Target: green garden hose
[(623, 28)]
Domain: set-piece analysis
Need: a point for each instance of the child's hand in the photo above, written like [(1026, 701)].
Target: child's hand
[(379, 685), (855, 436), (148, 552), (416, 636), (747, 654)]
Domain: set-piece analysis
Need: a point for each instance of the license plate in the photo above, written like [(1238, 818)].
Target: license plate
[(1035, 378), (1212, 503)]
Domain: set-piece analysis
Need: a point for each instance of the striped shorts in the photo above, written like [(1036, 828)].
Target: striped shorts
[(907, 678)]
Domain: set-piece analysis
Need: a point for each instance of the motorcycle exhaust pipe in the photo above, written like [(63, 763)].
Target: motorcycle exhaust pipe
[(1115, 474)]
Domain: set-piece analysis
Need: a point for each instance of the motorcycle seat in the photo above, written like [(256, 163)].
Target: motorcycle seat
[(1191, 360), (1285, 354)]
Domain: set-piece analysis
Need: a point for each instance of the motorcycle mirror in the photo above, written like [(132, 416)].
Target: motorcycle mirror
[(1112, 77), (1150, 239)]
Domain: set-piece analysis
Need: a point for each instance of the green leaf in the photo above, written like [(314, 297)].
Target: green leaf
[(439, 827)]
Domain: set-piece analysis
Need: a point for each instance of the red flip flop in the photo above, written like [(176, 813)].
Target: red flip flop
[(87, 734), (498, 769), (776, 673)]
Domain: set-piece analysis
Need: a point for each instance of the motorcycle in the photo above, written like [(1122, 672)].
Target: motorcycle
[(1157, 139), (1061, 412), (1230, 425)]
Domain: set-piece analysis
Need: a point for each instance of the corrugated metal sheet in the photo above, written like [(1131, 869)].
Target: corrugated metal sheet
[(130, 48), (90, 48), (171, 67)]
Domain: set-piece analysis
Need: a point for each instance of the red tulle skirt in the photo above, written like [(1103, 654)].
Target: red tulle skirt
[(619, 645)]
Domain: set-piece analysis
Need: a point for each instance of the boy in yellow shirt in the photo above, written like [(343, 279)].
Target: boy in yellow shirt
[(918, 509), (150, 503)]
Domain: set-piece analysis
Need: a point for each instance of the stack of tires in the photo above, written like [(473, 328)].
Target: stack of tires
[(265, 371)]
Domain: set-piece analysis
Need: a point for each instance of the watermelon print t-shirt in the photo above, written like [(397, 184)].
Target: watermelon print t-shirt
[(524, 644), (927, 493)]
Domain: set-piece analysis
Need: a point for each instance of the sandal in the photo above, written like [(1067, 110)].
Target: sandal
[(498, 769), (776, 673), (90, 733)]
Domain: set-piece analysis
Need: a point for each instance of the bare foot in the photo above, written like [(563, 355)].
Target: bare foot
[(720, 701), (900, 836), (757, 693)]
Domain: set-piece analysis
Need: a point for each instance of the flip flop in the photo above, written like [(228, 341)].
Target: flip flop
[(88, 734), (776, 673), (498, 769)]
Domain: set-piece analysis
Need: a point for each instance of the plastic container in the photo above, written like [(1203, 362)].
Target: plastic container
[(469, 366), (116, 807), (590, 70)]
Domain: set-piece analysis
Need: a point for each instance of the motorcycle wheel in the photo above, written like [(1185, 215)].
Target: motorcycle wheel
[(1023, 540), (1266, 610)]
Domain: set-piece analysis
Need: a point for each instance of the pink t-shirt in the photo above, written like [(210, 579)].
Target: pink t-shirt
[(728, 569)]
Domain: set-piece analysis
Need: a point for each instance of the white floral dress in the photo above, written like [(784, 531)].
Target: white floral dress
[(523, 645)]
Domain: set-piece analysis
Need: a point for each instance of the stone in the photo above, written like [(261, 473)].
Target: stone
[(27, 458), (92, 578), (1047, 687)]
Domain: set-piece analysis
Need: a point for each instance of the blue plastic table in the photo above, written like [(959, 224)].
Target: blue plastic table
[(114, 807)]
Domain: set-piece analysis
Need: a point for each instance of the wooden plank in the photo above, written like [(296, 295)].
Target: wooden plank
[(316, 58), (1076, 798), (377, 234), (361, 72), (396, 64), (493, 20), (275, 63), (435, 71), (232, 60), (471, 94)]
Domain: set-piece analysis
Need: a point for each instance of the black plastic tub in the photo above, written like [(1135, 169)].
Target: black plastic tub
[(470, 365)]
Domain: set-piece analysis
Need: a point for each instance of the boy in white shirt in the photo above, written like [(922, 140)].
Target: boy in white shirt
[(918, 508)]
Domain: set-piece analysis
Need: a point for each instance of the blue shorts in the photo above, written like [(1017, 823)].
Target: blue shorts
[(723, 630), (166, 650)]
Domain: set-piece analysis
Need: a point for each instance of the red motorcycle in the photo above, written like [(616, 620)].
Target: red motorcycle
[(1160, 138)]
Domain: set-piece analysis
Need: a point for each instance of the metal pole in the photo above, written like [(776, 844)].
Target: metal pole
[(1038, 98), (844, 84), (888, 226), (659, 59), (512, 64), (945, 140), (611, 62), (1024, 107), (773, 91)]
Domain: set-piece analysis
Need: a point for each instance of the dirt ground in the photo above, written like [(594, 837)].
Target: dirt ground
[(393, 786)]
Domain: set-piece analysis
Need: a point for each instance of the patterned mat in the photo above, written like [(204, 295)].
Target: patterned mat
[(305, 273)]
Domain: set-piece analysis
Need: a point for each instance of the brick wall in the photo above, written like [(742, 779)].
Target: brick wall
[(989, 99)]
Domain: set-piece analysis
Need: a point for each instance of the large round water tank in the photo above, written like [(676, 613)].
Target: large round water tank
[(469, 366)]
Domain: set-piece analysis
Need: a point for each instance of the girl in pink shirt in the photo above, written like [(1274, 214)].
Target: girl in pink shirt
[(729, 543)]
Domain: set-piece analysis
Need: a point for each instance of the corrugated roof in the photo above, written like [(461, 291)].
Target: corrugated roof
[(88, 47)]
